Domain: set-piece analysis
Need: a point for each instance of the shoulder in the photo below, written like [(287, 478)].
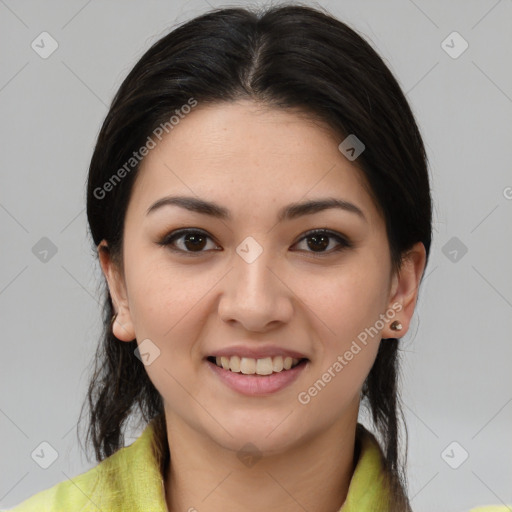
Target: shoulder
[(128, 476), (69, 495)]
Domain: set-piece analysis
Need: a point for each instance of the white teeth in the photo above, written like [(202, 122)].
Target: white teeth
[(277, 364), (250, 366), (234, 364), (247, 365), (264, 366)]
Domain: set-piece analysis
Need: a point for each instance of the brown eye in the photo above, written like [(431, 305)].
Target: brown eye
[(194, 241), (319, 240), (190, 241), (187, 241)]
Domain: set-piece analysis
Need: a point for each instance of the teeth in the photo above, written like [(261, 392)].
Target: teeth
[(250, 366), (277, 364)]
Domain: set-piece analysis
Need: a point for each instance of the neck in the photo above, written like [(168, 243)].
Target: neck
[(314, 474)]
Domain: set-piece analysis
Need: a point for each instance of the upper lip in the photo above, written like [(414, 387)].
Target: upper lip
[(256, 352)]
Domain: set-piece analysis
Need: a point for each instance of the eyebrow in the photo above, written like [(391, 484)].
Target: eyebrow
[(289, 212)]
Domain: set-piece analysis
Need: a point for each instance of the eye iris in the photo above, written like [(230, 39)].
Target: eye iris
[(197, 240), (323, 244)]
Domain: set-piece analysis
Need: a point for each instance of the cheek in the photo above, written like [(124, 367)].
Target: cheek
[(346, 301), (167, 306), (346, 309), (163, 295), (334, 392)]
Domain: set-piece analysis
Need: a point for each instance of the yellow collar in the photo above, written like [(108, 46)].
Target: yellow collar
[(130, 480)]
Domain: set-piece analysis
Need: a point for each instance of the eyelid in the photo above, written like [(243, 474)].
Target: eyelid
[(169, 238), (327, 232), (343, 241)]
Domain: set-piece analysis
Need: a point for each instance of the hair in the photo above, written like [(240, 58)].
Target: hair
[(290, 57)]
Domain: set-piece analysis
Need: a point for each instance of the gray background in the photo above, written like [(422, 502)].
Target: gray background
[(457, 383)]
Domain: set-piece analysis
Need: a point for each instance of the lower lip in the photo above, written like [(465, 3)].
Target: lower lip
[(254, 385)]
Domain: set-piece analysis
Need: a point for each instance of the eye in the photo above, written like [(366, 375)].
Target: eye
[(186, 241), (191, 241), (319, 240)]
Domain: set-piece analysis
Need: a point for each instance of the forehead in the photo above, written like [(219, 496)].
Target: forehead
[(249, 155)]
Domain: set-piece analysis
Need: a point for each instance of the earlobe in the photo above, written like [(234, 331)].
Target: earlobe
[(404, 291), (121, 323), (122, 331)]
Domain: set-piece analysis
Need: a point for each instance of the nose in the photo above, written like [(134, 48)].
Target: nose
[(255, 295)]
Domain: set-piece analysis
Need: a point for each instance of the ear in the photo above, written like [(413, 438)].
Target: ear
[(122, 326), (404, 290)]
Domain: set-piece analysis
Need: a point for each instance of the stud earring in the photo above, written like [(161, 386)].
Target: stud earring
[(396, 326)]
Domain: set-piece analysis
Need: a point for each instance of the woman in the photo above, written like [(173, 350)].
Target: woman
[(259, 200)]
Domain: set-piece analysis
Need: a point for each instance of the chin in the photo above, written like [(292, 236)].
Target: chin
[(260, 436)]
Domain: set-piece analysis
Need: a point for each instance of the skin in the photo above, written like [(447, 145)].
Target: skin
[(254, 161)]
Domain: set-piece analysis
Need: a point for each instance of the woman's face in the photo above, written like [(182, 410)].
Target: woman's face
[(248, 281)]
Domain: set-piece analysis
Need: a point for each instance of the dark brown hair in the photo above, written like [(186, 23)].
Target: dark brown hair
[(287, 57)]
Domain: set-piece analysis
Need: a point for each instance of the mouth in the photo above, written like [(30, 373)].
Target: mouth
[(257, 377), (257, 367)]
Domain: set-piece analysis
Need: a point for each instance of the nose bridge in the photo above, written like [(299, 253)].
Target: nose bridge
[(254, 296), (252, 275)]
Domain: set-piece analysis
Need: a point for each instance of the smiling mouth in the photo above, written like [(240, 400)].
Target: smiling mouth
[(250, 366)]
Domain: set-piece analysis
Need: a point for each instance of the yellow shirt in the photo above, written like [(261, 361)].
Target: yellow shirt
[(130, 481)]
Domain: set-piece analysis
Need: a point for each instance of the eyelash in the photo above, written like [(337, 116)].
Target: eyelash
[(343, 242)]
